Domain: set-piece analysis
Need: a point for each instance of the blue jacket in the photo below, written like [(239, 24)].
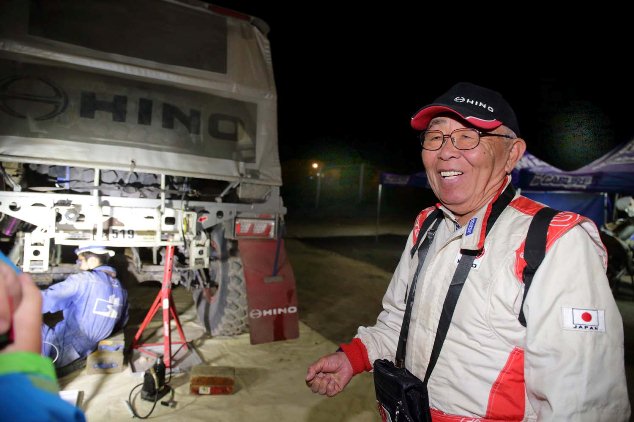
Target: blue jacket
[(29, 392), (94, 305)]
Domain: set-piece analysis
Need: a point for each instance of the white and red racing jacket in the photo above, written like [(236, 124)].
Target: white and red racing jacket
[(566, 364)]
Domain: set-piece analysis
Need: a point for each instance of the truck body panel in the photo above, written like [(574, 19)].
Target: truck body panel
[(66, 103), (138, 125)]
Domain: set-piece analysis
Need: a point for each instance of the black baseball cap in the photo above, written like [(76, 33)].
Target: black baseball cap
[(481, 107)]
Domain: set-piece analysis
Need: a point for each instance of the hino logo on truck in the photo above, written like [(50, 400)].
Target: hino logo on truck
[(41, 99), (259, 313), (56, 98)]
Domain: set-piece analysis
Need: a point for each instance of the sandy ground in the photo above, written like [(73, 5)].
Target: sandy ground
[(269, 377), (269, 381), (269, 385), (340, 283)]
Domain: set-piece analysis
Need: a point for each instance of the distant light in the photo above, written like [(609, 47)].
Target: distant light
[(315, 165)]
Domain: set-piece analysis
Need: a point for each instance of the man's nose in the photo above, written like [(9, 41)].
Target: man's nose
[(448, 144)]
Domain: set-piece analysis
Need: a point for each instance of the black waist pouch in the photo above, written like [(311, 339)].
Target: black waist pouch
[(401, 396)]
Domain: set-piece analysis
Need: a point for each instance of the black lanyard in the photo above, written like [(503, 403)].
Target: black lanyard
[(460, 276)]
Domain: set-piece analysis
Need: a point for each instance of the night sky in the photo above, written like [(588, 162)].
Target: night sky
[(354, 76)]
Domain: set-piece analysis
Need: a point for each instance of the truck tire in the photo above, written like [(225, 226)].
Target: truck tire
[(226, 314)]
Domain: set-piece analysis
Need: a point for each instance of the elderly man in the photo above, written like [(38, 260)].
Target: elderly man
[(556, 354), (94, 305)]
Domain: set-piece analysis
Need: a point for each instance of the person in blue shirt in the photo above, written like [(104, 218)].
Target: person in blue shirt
[(94, 304), (28, 385)]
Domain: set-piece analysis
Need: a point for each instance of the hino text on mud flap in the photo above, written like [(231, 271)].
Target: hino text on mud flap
[(137, 125)]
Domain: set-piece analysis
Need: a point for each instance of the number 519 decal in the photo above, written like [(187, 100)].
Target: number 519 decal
[(121, 234)]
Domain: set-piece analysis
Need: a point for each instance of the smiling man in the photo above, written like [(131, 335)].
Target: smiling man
[(555, 353)]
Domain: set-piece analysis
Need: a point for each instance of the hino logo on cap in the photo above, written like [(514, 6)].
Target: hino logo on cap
[(474, 102)]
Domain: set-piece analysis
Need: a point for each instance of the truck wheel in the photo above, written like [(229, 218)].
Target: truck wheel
[(226, 314)]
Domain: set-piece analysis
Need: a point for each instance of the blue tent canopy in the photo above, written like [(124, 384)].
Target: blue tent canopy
[(527, 162), (612, 173)]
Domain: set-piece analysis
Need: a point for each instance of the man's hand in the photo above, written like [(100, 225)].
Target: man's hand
[(21, 304), (330, 374), (10, 296)]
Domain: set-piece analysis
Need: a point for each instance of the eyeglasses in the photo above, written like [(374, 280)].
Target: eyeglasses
[(462, 138)]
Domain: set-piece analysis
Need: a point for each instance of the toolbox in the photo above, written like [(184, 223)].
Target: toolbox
[(107, 359), (211, 380)]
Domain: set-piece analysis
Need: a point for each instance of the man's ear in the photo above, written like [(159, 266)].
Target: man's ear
[(518, 147), (93, 262)]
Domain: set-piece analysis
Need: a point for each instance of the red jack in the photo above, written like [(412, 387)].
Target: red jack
[(163, 300)]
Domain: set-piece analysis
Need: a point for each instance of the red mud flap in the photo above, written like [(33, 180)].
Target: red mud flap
[(271, 297)]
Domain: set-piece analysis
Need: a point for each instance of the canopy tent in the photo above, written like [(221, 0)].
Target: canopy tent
[(528, 162), (583, 191), (611, 173), (594, 205)]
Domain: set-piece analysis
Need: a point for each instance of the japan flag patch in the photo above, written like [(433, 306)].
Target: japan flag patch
[(581, 319)]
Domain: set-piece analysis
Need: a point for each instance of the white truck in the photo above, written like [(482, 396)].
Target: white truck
[(137, 125)]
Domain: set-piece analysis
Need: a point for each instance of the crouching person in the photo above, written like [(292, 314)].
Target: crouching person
[(94, 305)]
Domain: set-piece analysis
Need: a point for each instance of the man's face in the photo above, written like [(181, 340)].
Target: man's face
[(83, 263), (465, 180)]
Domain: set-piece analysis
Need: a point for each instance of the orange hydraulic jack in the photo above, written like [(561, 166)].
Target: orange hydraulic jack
[(165, 300)]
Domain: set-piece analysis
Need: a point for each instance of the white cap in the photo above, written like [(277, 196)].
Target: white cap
[(98, 250)]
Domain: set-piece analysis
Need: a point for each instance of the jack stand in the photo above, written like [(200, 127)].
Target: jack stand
[(165, 300)]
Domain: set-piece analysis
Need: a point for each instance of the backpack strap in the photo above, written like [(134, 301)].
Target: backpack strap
[(535, 250), (434, 215)]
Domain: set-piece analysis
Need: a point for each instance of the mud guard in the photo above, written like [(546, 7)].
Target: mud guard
[(271, 292)]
